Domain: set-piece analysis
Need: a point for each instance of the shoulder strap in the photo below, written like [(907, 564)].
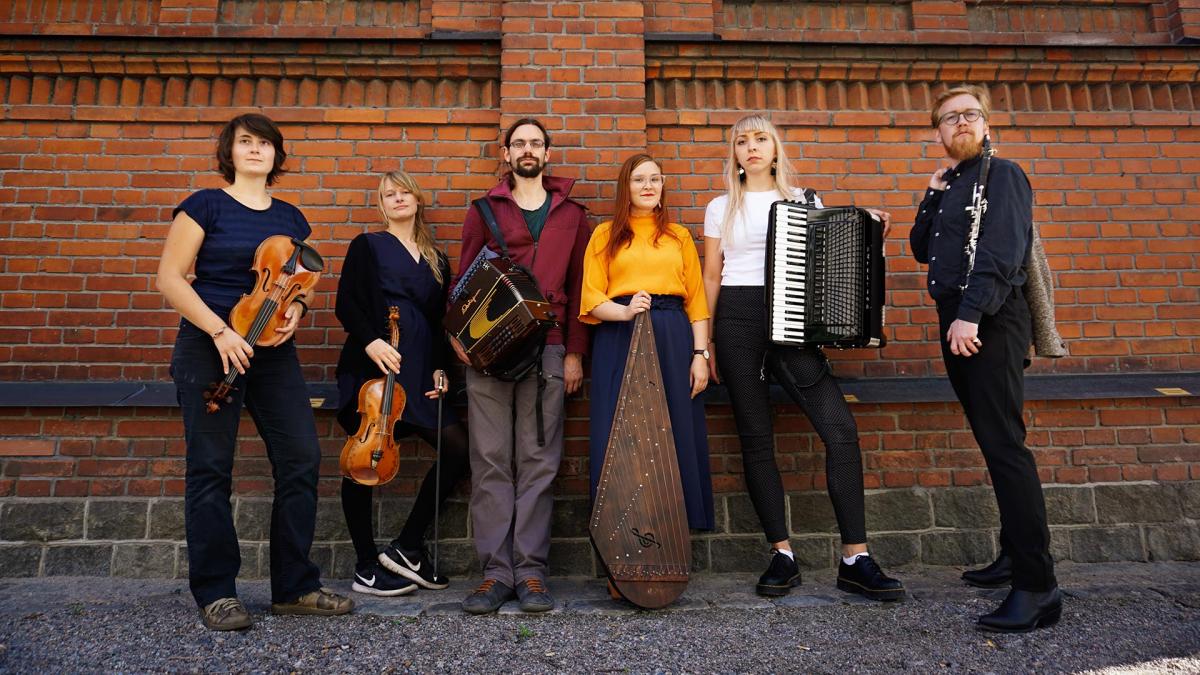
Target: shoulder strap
[(810, 196), (489, 218)]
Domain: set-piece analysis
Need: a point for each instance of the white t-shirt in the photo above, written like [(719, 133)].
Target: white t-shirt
[(746, 251)]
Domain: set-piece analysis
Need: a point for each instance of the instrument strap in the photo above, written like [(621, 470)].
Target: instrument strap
[(489, 219), (541, 393)]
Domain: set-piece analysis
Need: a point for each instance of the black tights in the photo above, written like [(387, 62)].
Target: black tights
[(744, 357), (356, 499)]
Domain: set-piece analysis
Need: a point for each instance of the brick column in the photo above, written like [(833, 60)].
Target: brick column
[(1183, 21), (580, 68)]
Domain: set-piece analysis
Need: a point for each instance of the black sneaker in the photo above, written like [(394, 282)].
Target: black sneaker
[(780, 577), (534, 596), (413, 566), (375, 580), (487, 598), (867, 579)]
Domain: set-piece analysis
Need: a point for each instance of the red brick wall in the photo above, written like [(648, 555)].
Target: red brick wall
[(109, 110)]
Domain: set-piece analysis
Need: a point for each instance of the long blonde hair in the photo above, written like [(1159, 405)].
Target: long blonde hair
[(734, 181), (422, 235)]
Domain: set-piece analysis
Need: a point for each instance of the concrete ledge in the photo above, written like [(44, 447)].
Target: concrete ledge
[(1107, 522), (882, 390)]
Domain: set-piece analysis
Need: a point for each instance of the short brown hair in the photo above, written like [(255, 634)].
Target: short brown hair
[(259, 125), (985, 101)]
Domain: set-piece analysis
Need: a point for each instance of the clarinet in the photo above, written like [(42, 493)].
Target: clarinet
[(977, 208)]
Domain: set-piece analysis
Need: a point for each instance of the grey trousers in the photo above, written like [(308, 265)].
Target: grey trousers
[(511, 476)]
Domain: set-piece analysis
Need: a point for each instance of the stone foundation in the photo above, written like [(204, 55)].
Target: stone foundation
[(944, 526)]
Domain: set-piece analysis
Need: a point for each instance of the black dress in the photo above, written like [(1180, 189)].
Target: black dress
[(378, 273)]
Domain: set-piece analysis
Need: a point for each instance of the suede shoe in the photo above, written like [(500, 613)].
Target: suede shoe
[(995, 575), (321, 602), (1024, 611), (487, 598), (225, 614), (376, 580), (867, 579), (413, 566), (534, 596), (782, 574)]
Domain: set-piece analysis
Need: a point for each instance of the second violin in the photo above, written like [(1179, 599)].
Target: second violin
[(370, 456)]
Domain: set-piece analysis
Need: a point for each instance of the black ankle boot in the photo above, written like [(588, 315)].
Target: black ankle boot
[(780, 577), (867, 579), (997, 574), (1023, 611)]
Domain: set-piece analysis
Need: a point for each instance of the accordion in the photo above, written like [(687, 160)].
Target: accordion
[(824, 276), (499, 315)]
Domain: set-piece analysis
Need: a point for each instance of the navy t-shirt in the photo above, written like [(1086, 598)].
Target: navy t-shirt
[(232, 233)]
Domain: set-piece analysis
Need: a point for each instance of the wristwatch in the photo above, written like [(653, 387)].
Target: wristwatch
[(700, 352)]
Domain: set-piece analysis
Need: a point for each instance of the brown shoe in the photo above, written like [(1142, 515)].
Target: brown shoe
[(225, 614), (321, 602)]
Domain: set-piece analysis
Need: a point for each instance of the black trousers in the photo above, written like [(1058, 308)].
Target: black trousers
[(745, 357), (991, 387), (273, 391)]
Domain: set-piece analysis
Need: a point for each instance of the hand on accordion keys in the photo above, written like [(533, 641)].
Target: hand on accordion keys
[(459, 351)]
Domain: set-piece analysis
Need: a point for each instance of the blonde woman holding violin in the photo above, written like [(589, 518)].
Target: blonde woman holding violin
[(218, 231), (398, 266)]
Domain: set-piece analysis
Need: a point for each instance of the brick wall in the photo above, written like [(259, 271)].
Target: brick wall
[(107, 117)]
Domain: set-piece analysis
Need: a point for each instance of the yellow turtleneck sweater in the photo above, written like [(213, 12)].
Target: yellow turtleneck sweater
[(672, 267)]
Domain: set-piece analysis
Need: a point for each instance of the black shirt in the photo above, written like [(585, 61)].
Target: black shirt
[(943, 223)]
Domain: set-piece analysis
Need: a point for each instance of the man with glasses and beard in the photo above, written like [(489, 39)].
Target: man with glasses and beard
[(985, 336), (511, 472)]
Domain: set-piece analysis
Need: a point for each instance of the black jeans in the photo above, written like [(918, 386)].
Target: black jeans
[(273, 391), (991, 387), (745, 357)]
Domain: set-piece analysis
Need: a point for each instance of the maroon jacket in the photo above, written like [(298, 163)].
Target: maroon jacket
[(556, 259)]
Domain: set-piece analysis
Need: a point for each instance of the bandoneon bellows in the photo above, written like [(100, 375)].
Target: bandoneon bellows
[(824, 276)]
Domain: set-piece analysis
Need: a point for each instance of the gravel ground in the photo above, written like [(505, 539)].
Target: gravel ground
[(1119, 618)]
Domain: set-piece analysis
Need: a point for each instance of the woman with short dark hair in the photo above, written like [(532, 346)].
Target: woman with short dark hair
[(218, 231)]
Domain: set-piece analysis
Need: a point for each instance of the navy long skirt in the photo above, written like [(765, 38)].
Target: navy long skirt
[(673, 338)]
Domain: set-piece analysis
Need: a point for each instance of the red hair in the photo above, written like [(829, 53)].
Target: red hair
[(620, 233)]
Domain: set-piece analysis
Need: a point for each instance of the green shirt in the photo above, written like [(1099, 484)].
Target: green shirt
[(536, 219)]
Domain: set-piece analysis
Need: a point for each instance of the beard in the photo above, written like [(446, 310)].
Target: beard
[(526, 171), (964, 147)]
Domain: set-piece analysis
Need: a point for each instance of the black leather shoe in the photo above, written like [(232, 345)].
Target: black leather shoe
[(997, 574), (1023, 611), (780, 577), (867, 579)]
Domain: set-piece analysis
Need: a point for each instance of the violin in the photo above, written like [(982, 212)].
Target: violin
[(370, 456), (285, 269)]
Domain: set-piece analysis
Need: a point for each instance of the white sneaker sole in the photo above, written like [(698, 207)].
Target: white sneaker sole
[(412, 576), (359, 588)]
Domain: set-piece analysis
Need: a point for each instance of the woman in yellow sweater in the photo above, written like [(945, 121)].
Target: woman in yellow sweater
[(641, 261)]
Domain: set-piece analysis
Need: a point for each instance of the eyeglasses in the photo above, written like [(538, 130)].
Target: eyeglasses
[(641, 181), (533, 145), (951, 118)]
